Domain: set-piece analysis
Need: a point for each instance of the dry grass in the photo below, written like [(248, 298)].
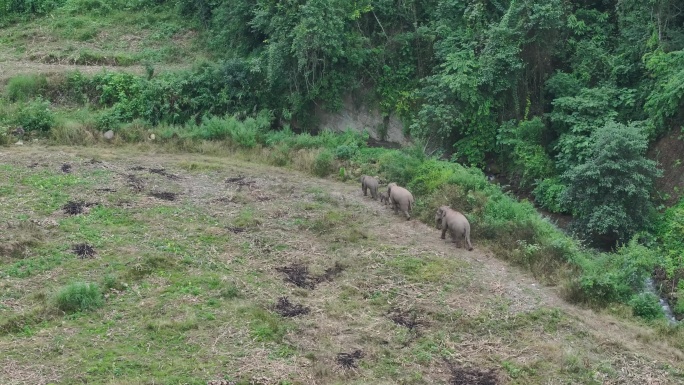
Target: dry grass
[(194, 282)]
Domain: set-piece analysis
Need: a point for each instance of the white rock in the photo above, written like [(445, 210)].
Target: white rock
[(109, 135), (19, 143)]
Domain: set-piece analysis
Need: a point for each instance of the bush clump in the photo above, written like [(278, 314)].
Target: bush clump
[(22, 88), (323, 164), (36, 116), (79, 296), (646, 306)]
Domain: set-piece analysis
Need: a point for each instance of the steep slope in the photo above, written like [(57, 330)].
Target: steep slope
[(195, 254)]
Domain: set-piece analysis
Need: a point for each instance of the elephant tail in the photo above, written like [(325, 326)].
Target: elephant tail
[(467, 237)]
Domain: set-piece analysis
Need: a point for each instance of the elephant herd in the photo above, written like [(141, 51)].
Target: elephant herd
[(400, 198)]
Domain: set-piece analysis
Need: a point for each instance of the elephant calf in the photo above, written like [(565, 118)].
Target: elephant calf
[(400, 197), (368, 182), (384, 199), (456, 223)]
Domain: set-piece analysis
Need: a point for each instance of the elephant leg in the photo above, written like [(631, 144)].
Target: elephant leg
[(405, 210), (444, 230), (374, 192), (364, 188)]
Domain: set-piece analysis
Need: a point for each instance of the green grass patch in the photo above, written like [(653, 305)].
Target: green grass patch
[(79, 296)]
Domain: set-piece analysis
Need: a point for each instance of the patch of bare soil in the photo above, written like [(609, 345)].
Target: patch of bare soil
[(135, 183), (408, 319), (288, 309), (236, 230), (164, 195), (349, 360), (79, 207), (105, 189), (162, 172), (299, 275), (73, 208), (66, 168), (241, 181), (472, 376), (668, 151), (83, 250)]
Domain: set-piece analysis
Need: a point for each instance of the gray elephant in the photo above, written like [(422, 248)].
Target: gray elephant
[(456, 223), (384, 199), (401, 198), (369, 183)]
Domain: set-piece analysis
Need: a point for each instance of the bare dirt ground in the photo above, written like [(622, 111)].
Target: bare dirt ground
[(405, 306)]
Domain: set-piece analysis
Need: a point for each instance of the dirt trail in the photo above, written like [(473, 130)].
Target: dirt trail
[(518, 287)]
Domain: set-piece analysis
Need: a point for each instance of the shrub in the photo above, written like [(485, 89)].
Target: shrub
[(108, 120), (647, 306), (398, 166), (36, 116), (71, 133), (610, 193), (79, 296), (521, 144), (22, 88), (323, 164), (345, 152), (549, 194), (614, 277), (278, 156), (244, 133)]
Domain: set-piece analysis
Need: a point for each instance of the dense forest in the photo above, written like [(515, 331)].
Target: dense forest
[(564, 98)]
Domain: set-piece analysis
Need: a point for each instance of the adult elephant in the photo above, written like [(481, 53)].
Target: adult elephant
[(454, 222), (400, 198), (369, 183)]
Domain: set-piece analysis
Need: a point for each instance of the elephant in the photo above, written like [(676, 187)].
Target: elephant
[(384, 199), (456, 223), (368, 182), (400, 197)]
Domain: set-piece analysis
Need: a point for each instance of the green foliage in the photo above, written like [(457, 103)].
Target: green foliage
[(35, 116), (108, 120), (615, 277), (646, 306), (21, 88), (670, 233), (431, 175), (28, 7), (665, 103), (79, 296), (575, 118), (398, 166), (609, 194), (323, 164), (345, 152), (549, 194), (522, 144)]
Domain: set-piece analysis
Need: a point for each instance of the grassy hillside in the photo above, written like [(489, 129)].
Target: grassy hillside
[(175, 269), (135, 260), (90, 35)]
